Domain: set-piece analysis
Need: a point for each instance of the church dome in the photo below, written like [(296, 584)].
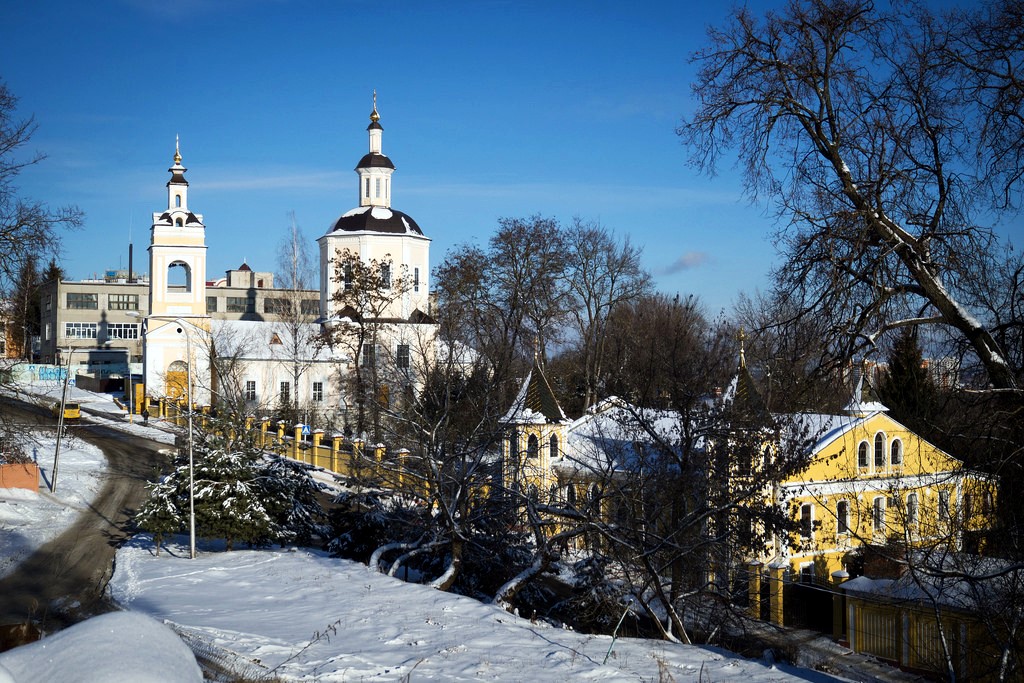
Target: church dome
[(376, 219), (374, 160)]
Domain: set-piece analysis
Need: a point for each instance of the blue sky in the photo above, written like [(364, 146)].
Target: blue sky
[(490, 108)]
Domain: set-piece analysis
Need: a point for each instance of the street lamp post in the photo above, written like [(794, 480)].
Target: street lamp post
[(60, 421), (183, 329)]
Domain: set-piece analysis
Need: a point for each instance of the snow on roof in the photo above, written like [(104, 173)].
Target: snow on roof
[(611, 435), (957, 580), (535, 403), (255, 340)]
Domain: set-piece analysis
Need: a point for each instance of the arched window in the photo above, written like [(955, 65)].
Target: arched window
[(896, 452), (862, 455), (879, 450), (532, 493), (911, 509), (553, 443), (553, 493), (179, 276), (532, 446), (843, 517), (595, 492), (513, 448), (878, 513), (570, 495), (177, 200), (179, 222)]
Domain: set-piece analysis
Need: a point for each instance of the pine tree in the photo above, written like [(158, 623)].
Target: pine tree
[(229, 501), (161, 514), (906, 388)]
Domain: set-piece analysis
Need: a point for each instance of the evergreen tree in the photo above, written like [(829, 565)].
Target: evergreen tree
[(906, 387), (161, 514), (241, 494)]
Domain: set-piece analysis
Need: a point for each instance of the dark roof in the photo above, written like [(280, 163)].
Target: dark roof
[(374, 125), (540, 398), (418, 317), (376, 219), (375, 161), (244, 266)]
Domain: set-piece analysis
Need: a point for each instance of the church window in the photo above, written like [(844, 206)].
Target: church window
[(911, 509), (532, 446), (553, 443), (179, 222), (368, 357), (878, 513), (348, 275), (318, 392), (366, 190), (843, 517), (402, 357), (250, 390), (879, 450), (944, 506), (806, 521), (385, 275), (415, 279), (570, 495), (177, 200), (862, 455), (376, 188), (896, 452), (286, 392)]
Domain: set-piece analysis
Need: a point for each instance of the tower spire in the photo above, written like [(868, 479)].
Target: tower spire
[(177, 149), (374, 116), (742, 337)]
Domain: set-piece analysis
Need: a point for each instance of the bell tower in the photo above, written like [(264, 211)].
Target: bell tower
[(175, 333), (177, 252)]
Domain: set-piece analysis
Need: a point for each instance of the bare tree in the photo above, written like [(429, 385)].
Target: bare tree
[(603, 273), (29, 229), (857, 123), (511, 295), (295, 310), (369, 291)]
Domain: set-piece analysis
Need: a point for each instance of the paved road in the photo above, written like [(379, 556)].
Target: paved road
[(62, 582)]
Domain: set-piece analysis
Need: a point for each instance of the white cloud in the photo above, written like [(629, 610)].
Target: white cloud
[(687, 261)]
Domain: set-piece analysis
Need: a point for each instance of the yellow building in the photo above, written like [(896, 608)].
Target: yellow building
[(872, 481), (866, 479)]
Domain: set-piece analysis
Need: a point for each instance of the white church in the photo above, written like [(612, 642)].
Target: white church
[(250, 350)]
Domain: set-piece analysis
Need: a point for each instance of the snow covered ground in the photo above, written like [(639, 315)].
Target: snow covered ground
[(301, 615), (28, 519)]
